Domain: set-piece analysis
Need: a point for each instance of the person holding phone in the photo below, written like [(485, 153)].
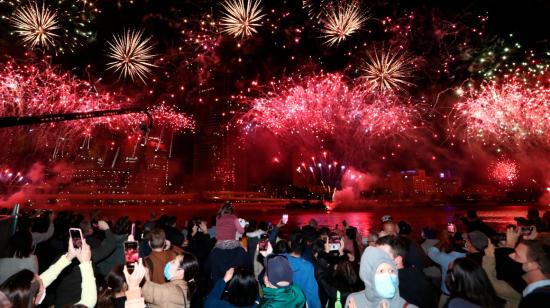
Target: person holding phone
[(27, 282)]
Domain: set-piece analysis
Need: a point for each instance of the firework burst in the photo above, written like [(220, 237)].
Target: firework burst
[(508, 112), (341, 22), (37, 26), (132, 55), (240, 18), (388, 71), (504, 172)]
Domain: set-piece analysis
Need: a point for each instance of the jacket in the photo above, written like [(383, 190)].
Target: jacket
[(288, 297), (214, 298), (115, 258), (156, 261), (304, 277), (169, 295), (370, 260)]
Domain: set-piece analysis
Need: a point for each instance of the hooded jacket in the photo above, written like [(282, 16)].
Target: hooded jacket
[(371, 259), (287, 297)]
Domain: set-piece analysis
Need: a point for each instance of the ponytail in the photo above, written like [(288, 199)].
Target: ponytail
[(105, 298)]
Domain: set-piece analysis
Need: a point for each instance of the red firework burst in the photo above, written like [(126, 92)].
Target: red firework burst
[(504, 172)]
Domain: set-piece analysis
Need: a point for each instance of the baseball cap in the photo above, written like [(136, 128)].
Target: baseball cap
[(479, 240), (277, 269)]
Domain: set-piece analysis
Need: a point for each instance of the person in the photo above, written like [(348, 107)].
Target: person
[(469, 286), (335, 273), (444, 253), (388, 226), (473, 223), (416, 257), (113, 295), (18, 256), (228, 251), (379, 274), (238, 288), (27, 289), (535, 262), (178, 292), (121, 230), (161, 253), (414, 286), (475, 244), (534, 219), (303, 273), (39, 237), (172, 234), (502, 288), (279, 290)]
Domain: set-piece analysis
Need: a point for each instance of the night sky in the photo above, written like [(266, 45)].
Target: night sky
[(209, 74)]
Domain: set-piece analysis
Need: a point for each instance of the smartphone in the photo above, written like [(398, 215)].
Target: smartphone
[(284, 219), (131, 254), (334, 243), (243, 222), (76, 237), (264, 242), (451, 227)]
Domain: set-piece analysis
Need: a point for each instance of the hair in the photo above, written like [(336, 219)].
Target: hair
[(115, 282), (21, 289), (404, 227), (281, 247), (397, 245), (157, 238), (345, 276), (539, 253), (297, 243), (86, 227), (351, 233), (533, 213), (242, 289), (318, 246), (19, 245), (226, 209), (263, 225), (190, 266), (470, 282), (122, 226), (471, 214)]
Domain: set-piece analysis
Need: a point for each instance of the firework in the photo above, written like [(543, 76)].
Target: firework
[(132, 55), (504, 172), (62, 27), (322, 172), (34, 90), (36, 25), (326, 110), (341, 22), (315, 8), (507, 112), (241, 19), (387, 70)]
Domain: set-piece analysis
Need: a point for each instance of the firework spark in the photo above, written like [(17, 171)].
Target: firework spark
[(508, 112), (34, 90), (241, 19), (36, 25), (388, 71), (341, 22), (131, 54), (324, 110), (504, 172)]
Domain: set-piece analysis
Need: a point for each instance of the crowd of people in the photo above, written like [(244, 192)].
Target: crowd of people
[(67, 259)]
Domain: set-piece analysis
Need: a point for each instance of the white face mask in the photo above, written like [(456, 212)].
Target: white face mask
[(42, 298)]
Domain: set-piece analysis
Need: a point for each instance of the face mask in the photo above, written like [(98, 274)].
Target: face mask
[(385, 285), (167, 271), (42, 298)]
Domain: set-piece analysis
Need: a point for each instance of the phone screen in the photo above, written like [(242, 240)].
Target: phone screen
[(131, 254), (76, 237), (285, 218), (334, 243), (451, 227)]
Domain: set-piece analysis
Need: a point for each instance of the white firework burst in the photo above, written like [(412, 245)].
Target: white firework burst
[(388, 70), (341, 22), (240, 18), (132, 55), (36, 25)]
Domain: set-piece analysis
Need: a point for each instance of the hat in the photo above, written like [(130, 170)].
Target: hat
[(478, 239), (277, 269), (386, 218)]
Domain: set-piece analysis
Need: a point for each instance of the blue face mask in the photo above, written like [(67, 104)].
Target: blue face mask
[(385, 285), (167, 271)]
